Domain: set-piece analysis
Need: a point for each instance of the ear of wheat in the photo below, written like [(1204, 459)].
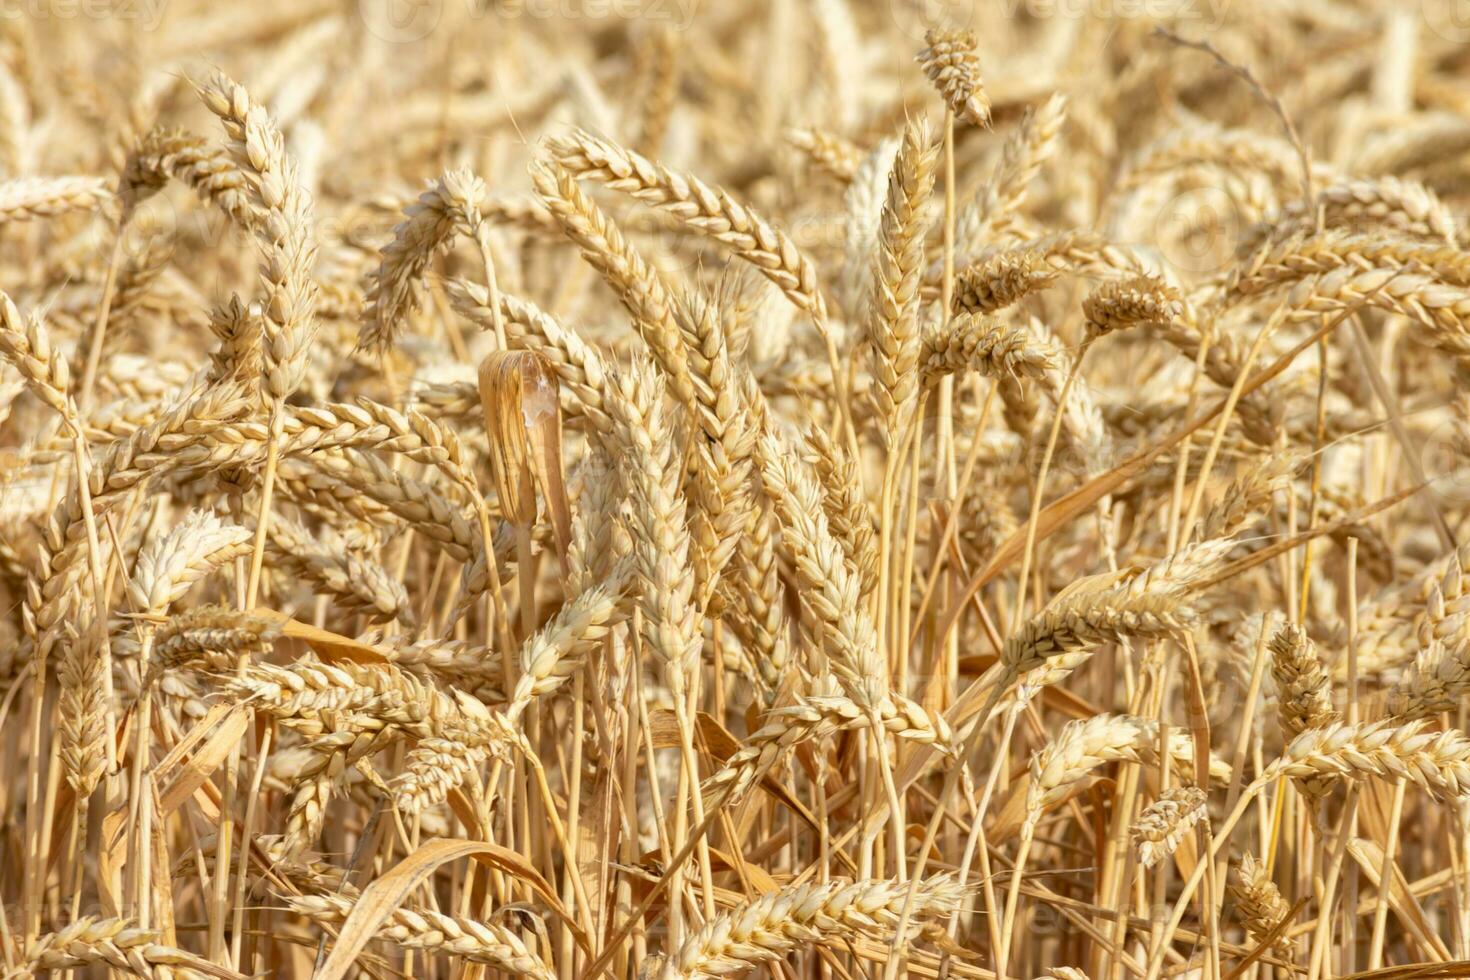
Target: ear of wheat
[(1102, 609), (774, 925), (1258, 902), (1302, 684), (1166, 821), (892, 312), (451, 206), (1001, 280), (115, 944), (952, 65), (1439, 763), (423, 929)]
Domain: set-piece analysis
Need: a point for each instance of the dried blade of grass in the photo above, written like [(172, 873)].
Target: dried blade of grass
[(390, 889), (523, 425)]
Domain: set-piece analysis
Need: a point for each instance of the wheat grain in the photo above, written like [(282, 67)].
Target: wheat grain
[(356, 584), (828, 151), (1104, 608), (1084, 745), (746, 631), (212, 635), (168, 566), (981, 344), (820, 716), (708, 210), (997, 208), (550, 657), (1127, 303), (175, 154), (1001, 280), (830, 589), (285, 232)]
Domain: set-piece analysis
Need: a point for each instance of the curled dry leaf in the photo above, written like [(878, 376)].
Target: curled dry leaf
[(518, 392)]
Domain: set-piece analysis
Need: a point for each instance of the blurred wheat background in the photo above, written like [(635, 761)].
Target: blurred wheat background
[(660, 489)]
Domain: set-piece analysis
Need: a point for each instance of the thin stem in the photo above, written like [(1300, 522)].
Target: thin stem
[(1033, 520)]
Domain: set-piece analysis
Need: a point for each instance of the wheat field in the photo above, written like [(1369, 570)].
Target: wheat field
[(656, 490)]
